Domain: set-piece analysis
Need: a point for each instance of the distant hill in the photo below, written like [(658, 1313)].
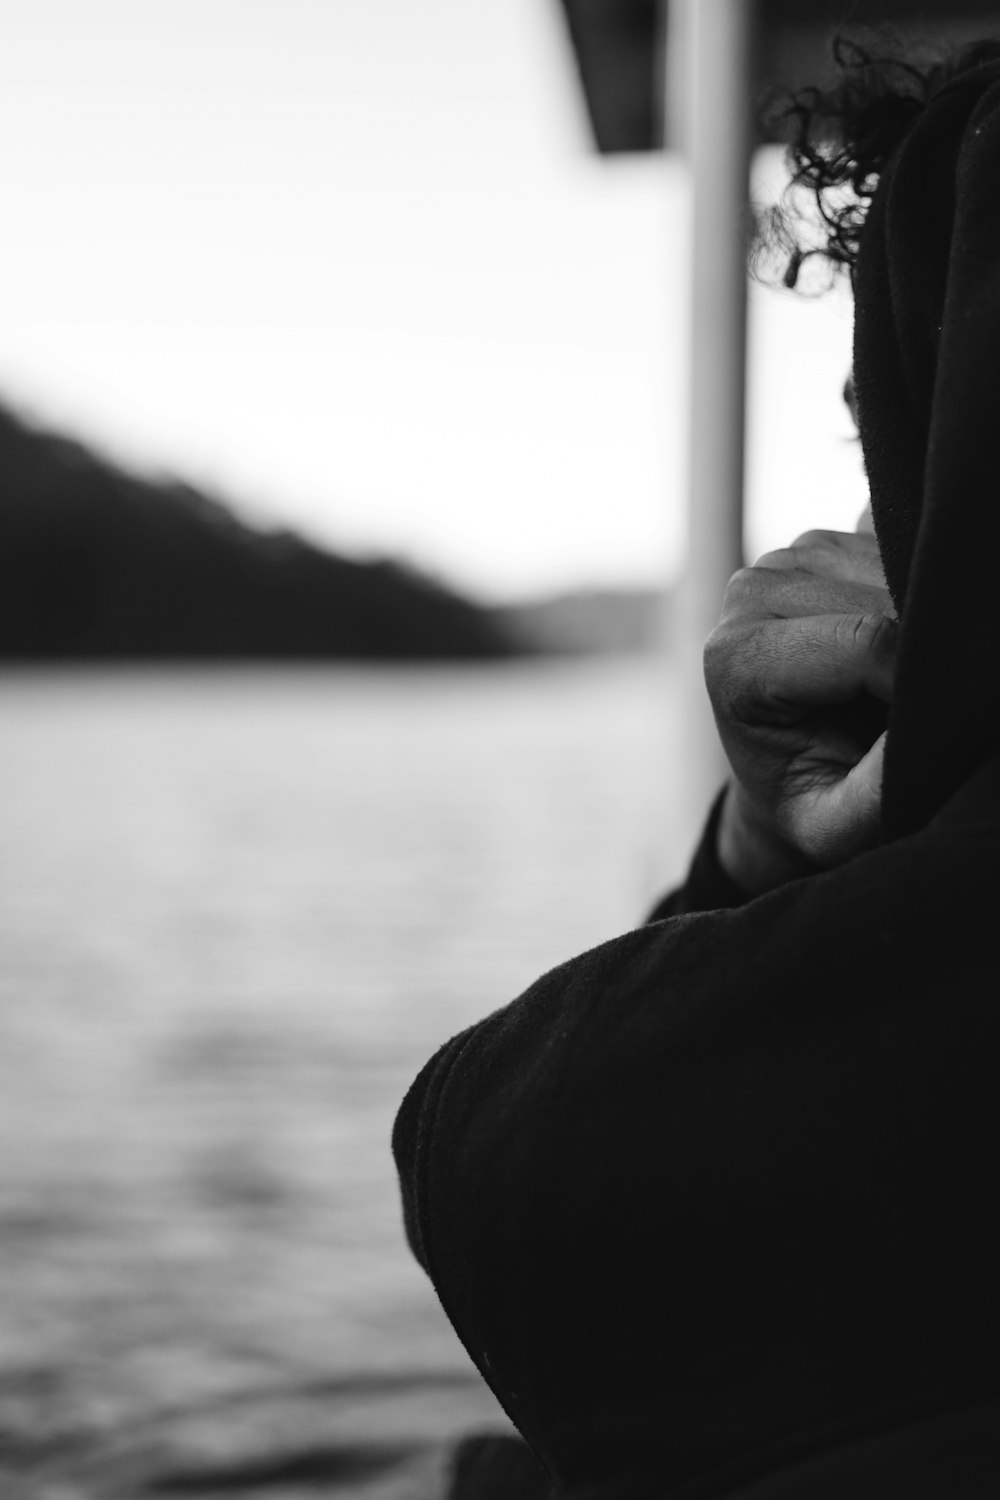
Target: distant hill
[(589, 622), (96, 563)]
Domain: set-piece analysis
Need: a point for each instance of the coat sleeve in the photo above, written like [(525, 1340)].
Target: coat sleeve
[(505, 1139), (688, 1174), (707, 886)]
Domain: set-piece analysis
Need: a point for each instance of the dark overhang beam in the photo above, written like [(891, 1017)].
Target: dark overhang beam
[(620, 48)]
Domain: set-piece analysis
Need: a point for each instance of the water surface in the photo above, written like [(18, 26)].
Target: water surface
[(238, 910)]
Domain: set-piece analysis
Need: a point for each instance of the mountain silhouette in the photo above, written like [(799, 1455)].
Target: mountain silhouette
[(97, 563)]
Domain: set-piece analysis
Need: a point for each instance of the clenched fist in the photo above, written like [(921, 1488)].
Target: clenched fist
[(799, 671)]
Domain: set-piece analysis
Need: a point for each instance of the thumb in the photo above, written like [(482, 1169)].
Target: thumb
[(856, 804)]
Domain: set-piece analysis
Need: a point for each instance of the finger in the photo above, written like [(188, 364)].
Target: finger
[(860, 793), (792, 667), (864, 524), (844, 819), (785, 593), (851, 555)]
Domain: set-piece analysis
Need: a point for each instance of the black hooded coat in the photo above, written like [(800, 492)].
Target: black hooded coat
[(715, 1207)]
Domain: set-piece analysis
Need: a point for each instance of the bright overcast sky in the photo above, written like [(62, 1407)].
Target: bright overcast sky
[(355, 267)]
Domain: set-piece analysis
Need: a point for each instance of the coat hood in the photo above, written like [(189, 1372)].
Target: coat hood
[(927, 378)]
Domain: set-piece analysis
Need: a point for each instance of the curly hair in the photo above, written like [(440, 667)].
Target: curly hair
[(838, 142)]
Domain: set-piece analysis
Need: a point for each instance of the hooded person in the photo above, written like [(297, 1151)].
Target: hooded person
[(714, 1207)]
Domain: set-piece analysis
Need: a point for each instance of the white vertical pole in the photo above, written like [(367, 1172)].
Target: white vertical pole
[(716, 69)]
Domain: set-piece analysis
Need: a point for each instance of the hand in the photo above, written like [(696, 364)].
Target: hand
[(799, 671)]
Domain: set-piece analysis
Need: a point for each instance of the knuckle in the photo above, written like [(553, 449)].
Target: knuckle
[(741, 590), (818, 539), (825, 552), (749, 587), (872, 633), (726, 658), (717, 651), (742, 583), (778, 557)]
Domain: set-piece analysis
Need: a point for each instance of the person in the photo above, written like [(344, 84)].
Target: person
[(714, 1207)]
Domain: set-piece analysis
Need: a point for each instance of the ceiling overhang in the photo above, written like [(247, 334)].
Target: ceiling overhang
[(621, 49)]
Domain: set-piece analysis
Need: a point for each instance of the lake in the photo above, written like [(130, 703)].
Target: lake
[(240, 908)]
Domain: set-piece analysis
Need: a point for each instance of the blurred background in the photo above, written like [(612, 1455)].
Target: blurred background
[(343, 414)]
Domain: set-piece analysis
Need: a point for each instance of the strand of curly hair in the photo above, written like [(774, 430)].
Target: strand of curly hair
[(838, 142)]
